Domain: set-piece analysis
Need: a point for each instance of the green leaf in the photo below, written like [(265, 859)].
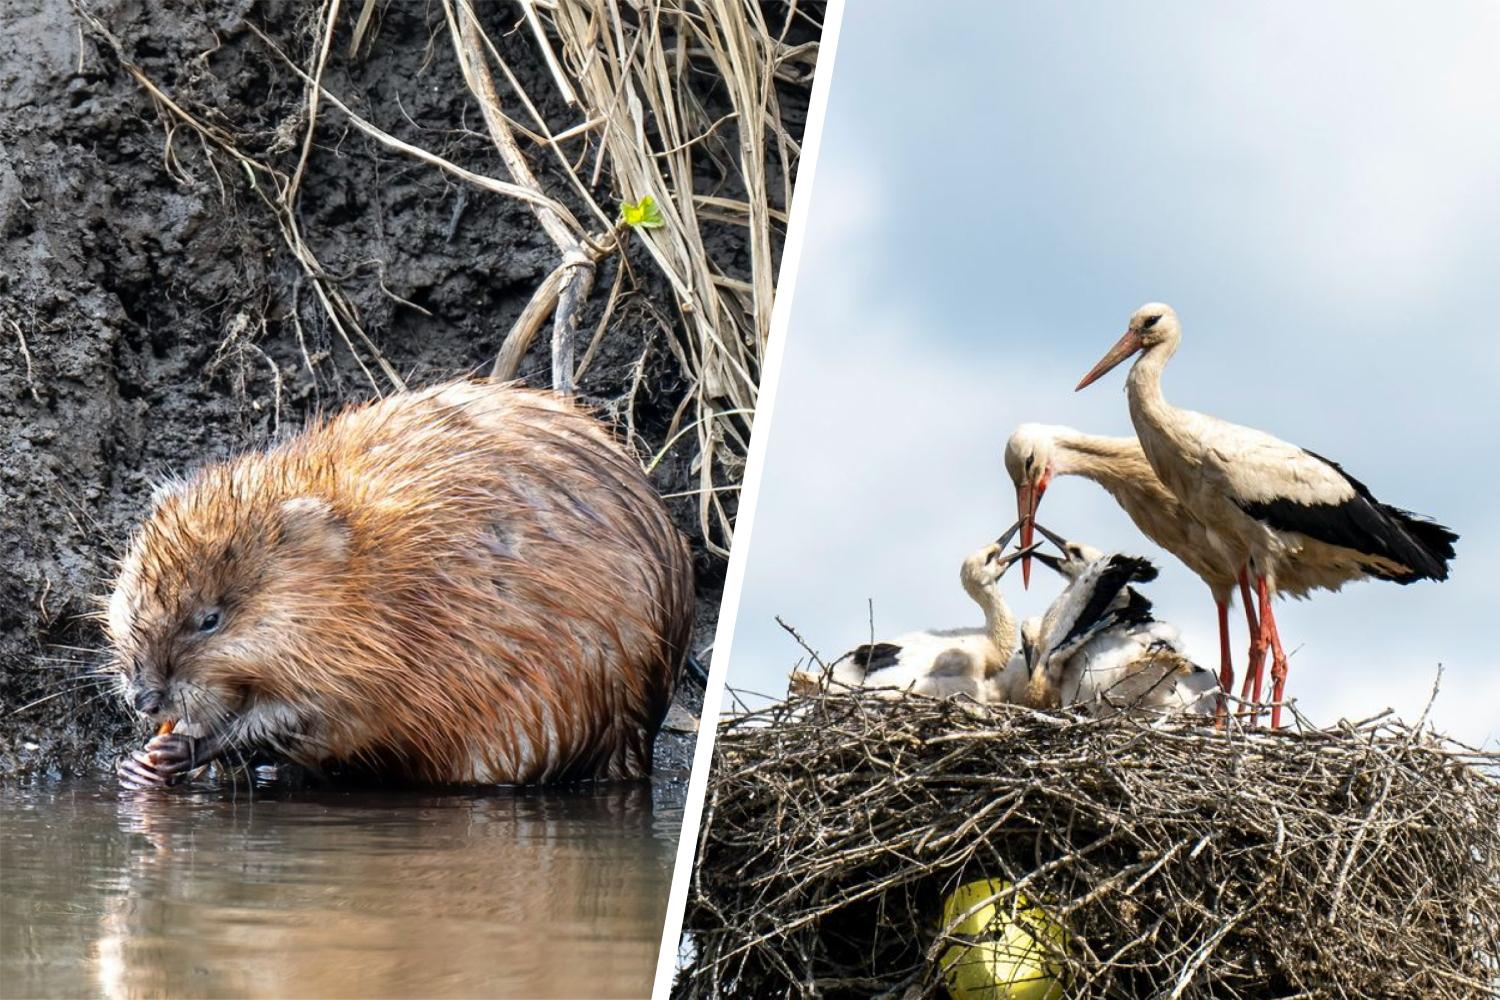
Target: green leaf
[(642, 215)]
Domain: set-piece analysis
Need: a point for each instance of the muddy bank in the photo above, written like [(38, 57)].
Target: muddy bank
[(152, 315)]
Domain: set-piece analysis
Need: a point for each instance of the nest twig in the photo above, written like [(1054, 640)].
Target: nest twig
[(1357, 861)]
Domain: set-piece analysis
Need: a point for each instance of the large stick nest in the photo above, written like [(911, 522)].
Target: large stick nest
[(1357, 861)]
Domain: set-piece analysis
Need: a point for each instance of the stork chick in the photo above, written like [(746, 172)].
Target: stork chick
[(1101, 648), (939, 663)]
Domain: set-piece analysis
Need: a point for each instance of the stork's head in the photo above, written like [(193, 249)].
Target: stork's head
[(1152, 324), (1075, 557), (984, 567), (1031, 458)]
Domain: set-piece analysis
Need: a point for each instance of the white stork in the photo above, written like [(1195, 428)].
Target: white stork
[(1302, 521), (1100, 647), (939, 663), (1036, 453)]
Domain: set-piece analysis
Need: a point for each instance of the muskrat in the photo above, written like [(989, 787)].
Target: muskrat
[(472, 583)]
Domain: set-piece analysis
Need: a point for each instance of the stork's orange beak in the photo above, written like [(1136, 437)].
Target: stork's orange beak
[(1124, 348)]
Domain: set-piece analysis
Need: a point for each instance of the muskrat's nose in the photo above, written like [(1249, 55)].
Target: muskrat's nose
[(149, 701)]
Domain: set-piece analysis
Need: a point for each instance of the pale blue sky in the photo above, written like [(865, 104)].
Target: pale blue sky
[(999, 186)]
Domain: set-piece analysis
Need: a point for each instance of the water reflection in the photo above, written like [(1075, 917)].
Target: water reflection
[(557, 893)]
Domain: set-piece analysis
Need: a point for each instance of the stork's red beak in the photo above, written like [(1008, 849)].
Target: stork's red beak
[(1124, 348), (1027, 498)]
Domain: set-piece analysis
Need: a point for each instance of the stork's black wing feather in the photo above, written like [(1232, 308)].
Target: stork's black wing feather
[(1366, 525), (871, 657), (1119, 572)]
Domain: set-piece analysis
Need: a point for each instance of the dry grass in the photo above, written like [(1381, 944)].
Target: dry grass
[(639, 77), (1358, 861), (633, 79)]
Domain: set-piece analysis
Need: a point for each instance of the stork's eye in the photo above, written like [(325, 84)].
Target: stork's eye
[(1150, 321), (210, 621)]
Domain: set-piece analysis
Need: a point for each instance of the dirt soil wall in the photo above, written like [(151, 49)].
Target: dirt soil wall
[(152, 316)]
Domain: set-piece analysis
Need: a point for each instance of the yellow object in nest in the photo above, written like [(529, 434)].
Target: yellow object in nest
[(1008, 947)]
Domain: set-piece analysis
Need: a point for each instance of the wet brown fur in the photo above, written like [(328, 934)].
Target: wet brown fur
[(473, 582)]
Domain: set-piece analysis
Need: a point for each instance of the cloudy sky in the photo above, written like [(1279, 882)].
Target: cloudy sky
[(1000, 186)]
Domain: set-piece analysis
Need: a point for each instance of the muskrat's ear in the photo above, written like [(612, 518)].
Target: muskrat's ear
[(310, 527)]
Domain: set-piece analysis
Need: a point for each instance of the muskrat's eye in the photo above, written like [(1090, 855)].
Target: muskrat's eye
[(210, 621)]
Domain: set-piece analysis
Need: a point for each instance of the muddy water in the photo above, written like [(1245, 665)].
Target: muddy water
[(318, 894)]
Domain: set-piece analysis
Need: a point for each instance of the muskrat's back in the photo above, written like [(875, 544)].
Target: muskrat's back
[(470, 583)]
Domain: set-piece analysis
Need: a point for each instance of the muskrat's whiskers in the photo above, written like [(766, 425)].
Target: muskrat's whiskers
[(69, 685), (93, 661), (58, 694), (48, 677), (73, 667), (78, 649), (59, 688), (202, 706), (94, 699), (240, 767)]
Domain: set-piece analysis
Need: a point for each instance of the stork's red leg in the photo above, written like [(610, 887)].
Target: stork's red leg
[(1278, 656), (1253, 672), (1226, 664)]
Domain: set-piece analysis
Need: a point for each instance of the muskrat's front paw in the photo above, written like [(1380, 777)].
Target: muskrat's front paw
[(172, 754), (165, 760), (136, 771)]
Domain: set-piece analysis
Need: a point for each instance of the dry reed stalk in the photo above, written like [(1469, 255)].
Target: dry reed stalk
[(631, 69)]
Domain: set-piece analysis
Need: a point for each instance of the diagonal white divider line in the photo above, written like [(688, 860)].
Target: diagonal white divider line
[(713, 696)]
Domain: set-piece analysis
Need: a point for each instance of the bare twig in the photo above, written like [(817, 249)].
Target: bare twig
[(801, 642)]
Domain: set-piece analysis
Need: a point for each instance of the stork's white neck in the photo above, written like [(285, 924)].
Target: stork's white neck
[(1148, 407), (999, 623), (1116, 464)]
